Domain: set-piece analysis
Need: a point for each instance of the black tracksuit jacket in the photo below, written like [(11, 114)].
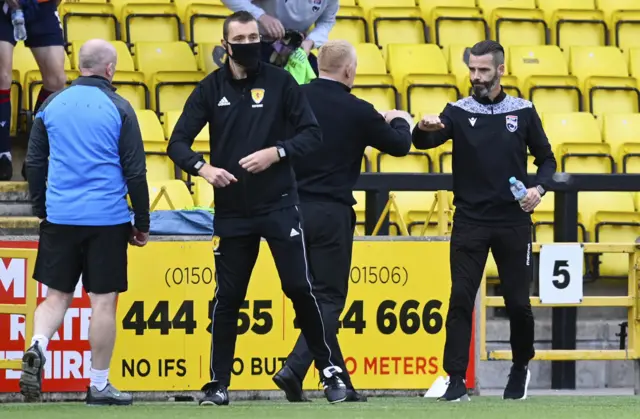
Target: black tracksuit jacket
[(264, 110), (490, 142)]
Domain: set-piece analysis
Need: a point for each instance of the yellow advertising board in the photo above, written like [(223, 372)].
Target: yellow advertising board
[(392, 329)]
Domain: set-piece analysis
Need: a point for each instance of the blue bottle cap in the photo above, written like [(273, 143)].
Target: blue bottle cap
[(512, 180)]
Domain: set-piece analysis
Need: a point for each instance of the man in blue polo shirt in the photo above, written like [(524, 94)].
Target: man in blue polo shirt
[(85, 155)]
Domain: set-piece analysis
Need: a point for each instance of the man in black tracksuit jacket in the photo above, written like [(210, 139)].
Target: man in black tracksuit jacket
[(251, 108), (491, 132), (326, 179)]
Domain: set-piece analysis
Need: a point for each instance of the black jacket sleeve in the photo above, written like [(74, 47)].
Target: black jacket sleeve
[(194, 117), (37, 166), (134, 168), (393, 138), (423, 140), (540, 149), (308, 136)]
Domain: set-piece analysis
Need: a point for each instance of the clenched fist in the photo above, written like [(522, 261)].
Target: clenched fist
[(430, 123)]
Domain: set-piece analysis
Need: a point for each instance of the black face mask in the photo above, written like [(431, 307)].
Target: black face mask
[(246, 55)]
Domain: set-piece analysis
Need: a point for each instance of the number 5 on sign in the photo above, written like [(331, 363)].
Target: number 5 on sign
[(561, 267)]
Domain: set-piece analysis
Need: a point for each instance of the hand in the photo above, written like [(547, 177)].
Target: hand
[(532, 200), (393, 114), (138, 238), (307, 46), (217, 177), (430, 123), (260, 160), (272, 26)]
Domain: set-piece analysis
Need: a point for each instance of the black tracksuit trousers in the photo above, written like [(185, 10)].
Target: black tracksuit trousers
[(329, 229), (235, 258), (511, 248)]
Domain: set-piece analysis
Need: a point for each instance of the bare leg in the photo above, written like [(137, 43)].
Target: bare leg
[(102, 336), (6, 64)]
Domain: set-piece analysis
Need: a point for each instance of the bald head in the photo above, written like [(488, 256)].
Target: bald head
[(337, 60), (97, 57)]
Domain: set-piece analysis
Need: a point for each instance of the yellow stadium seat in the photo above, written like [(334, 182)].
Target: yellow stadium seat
[(610, 217), (201, 142), (450, 25), (414, 162), (622, 132), (176, 195), (428, 94), (515, 22), (397, 25), (351, 25), (427, 6), (202, 192), (574, 22), (202, 20), (377, 90), (84, 21), (544, 78), (414, 209), (204, 56), (370, 60), (159, 166), (348, 3), (578, 143), (623, 19), (603, 74), (421, 68), (125, 61), (368, 5), (16, 101), (442, 157), (148, 20), (542, 219), (171, 71), (359, 207), (457, 63)]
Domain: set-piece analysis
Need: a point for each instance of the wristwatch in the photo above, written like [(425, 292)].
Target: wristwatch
[(281, 152), (541, 190), (199, 165)]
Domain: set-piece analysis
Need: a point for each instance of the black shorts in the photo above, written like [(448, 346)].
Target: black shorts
[(98, 253), (44, 30)]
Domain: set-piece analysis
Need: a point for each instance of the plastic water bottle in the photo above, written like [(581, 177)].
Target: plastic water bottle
[(518, 189), (19, 28)]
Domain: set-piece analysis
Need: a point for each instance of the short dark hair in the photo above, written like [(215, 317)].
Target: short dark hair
[(241, 16), (489, 47)]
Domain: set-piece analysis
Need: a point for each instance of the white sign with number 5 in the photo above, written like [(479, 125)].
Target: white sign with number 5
[(560, 276)]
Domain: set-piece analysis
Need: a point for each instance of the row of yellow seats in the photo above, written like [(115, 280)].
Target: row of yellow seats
[(158, 76), (175, 195), (580, 144), (143, 20), (596, 79), (602, 217), (522, 22)]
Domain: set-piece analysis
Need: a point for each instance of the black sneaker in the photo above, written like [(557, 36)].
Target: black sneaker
[(334, 389), (518, 383), (33, 362), (354, 396), (108, 396), (215, 394), (456, 390), (6, 169), (287, 381)]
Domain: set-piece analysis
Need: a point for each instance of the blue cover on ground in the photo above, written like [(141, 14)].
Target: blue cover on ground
[(182, 223)]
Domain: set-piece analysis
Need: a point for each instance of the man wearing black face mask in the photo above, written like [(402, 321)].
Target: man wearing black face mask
[(491, 132), (252, 109)]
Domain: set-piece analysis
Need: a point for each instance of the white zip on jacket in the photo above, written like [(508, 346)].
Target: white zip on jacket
[(298, 15)]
